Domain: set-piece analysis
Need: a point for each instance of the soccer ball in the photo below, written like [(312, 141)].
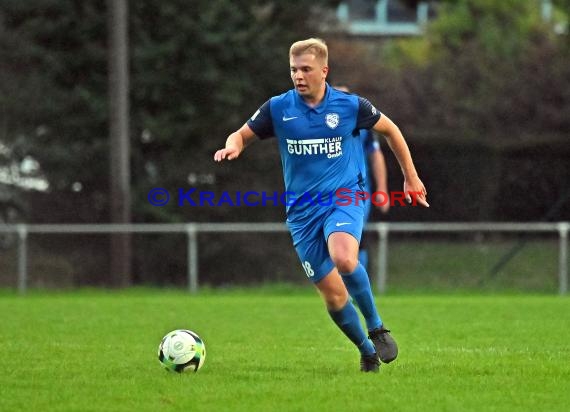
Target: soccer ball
[(182, 350)]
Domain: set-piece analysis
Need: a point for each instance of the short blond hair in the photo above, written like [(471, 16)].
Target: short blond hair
[(314, 46)]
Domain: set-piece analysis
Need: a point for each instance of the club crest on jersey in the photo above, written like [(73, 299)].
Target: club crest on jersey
[(332, 120)]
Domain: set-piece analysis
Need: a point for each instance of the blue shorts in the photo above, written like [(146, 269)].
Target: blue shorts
[(311, 233)]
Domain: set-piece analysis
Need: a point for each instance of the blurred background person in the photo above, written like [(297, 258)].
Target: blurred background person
[(376, 179)]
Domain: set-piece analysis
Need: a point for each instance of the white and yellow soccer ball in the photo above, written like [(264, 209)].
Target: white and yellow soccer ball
[(182, 350)]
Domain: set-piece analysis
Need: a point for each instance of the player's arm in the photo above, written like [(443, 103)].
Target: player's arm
[(259, 125), (380, 174), (236, 143), (398, 145)]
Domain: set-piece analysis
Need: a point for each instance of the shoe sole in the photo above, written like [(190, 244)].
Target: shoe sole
[(388, 360)]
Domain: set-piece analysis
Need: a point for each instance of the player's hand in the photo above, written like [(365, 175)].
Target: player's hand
[(414, 187), (229, 153)]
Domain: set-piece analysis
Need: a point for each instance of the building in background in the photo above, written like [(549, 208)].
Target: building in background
[(384, 17), (399, 17)]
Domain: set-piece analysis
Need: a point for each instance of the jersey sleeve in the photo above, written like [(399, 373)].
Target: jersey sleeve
[(261, 123), (367, 114)]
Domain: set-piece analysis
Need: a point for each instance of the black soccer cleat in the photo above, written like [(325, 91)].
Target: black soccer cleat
[(369, 363), (384, 343)]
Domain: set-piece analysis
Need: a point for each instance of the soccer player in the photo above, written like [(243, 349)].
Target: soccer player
[(317, 131), (375, 171)]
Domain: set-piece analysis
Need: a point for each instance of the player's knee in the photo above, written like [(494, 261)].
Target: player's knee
[(336, 300), (346, 264)]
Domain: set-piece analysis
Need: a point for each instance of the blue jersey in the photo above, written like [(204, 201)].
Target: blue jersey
[(320, 147), (369, 145)]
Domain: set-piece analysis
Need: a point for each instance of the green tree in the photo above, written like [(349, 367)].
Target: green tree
[(199, 68), (53, 95), (489, 69), (484, 99)]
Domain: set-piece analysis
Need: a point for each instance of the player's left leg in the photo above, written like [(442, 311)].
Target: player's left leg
[(343, 313), (343, 249), (312, 251)]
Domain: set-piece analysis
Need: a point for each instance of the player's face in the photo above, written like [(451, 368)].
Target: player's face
[(308, 74)]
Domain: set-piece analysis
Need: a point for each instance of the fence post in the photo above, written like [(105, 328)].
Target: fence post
[(382, 274), (22, 259), (192, 231), (563, 258)]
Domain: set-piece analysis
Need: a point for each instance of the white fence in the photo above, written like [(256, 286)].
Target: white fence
[(193, 229)]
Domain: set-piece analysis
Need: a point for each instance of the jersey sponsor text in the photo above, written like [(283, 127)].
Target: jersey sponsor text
[(329, 146)]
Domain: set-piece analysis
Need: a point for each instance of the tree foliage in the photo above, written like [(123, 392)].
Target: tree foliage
[(484, 70), (198, 69), (484, 100)]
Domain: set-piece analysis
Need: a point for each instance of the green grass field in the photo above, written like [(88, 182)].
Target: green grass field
[(276, 350)]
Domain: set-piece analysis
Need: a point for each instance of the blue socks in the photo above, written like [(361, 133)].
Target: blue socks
[(358, 286), (348, 321)]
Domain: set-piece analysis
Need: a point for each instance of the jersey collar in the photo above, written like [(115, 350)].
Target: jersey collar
[(320, 108)]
